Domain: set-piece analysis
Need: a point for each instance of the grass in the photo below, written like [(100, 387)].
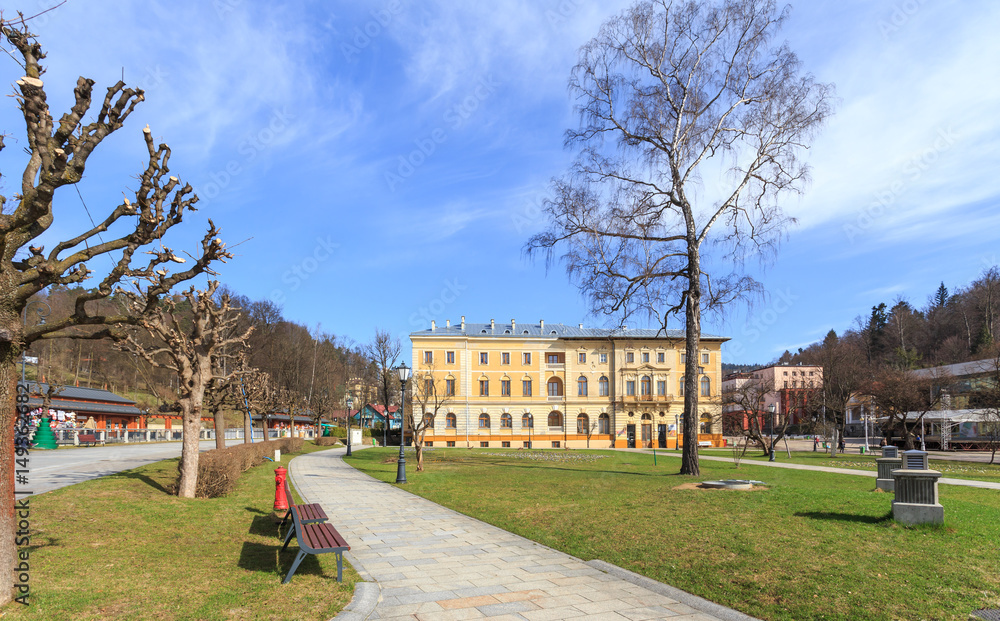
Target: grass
[(810, 545), (853, 461), (119, 547)]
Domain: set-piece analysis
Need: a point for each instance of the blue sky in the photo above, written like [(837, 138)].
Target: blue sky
[(384, 162)]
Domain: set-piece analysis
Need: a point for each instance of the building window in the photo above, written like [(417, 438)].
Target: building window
[(450, 443), (629, 357), (706, 387), (604, 358), (705, 425), (450, 421), (583, 424), (553, 358), (505, 357), (554, 387), (581, 386), (661, 388), (506, 422), (505, 445), (484, 445), (661, 357), (449, 357), (646, 386), (645, 356), (603, 424), (428, 357), (484, 421), (527, 421), (526, 358), (681, 393), (582, 358), (484, 388), (449, 387), (704, 358), (428, 444), (505, 388), (484, 357), (602, 386), (526, 388), (428, 387), (684, 358), (555, 444), (786, 383), (555, 419), (630, 388), (526, 444)]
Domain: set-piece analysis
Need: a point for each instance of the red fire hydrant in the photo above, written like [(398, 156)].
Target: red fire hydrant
[(280, 502)]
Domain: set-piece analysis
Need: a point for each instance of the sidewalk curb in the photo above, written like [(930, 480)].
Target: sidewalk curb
[(366, 597), (698, 603)]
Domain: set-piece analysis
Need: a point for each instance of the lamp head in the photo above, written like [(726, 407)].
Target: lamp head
[(404, 372)]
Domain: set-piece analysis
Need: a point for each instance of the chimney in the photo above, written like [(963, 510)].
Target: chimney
[(541, 325), (463, 323), (513, 326), (492, 326), (447, 323), (433, 326), (581, 326)]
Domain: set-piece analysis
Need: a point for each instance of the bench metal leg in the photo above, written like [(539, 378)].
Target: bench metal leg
[(288, 536), (295, 565), (340, 566)]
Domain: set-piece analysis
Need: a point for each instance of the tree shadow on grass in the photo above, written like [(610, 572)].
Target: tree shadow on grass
[(265, 526), (845, 517), (132, 474)]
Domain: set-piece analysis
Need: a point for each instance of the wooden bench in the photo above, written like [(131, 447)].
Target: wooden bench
[(308, 514), (315, 538), (89, 438)]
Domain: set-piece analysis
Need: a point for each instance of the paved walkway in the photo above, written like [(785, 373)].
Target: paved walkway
[(423, 561)]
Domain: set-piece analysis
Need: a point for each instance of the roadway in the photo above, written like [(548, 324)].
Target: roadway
[(49, 470)]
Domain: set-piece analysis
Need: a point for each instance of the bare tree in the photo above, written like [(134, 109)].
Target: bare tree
[(256, 394), (846, 375), (670, 92), (384, 351), (748, 399), (57, 155), (986, 398), (904, 399), (190, 346), (427, 398)]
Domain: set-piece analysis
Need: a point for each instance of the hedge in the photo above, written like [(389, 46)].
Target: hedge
[(219, 469)]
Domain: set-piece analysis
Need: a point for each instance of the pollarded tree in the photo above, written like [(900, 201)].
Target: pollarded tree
[(57, 153), (189, 343), (691, 125), (256, 393)]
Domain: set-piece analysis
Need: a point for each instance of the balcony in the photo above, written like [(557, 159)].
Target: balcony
[(647, 398)]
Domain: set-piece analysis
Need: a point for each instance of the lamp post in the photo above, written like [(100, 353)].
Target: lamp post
[(404, 374), (531, 426), (770, 433), (24, 326), (677, 433), (350, 406)]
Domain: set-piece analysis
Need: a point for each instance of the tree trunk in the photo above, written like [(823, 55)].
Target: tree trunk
[(247, 428), (689, 456), (220, 429), (191, 411), (419, 448), (8, 402)]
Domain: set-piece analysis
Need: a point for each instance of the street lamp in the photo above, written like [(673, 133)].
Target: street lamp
[(677, 433), (24, 327), (404, 374), (350, 405), (531, 425), (771, 409)]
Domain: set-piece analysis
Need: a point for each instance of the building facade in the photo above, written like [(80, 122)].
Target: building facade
[(557, 386), (788, 390)]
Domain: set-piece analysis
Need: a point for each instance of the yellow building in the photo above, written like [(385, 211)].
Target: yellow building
[(553, 386)]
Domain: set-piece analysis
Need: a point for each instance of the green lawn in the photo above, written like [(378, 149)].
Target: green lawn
[(119, 547), (810, 545)]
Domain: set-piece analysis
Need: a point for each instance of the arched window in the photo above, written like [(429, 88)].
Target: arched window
[(646, 386), (705, 425), (555, 419), (583, 423), (603, 386), (555, 387), (604, 424), (706, 387), (581, 386), (484, 421), (506, 422), (527, 421), (450, 421), (647, 419)]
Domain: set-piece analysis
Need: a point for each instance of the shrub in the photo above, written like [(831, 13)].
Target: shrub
[(219, 469), (327, 441)]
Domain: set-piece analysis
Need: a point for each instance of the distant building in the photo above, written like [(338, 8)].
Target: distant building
[(553, 386), (78, 405), (790, 388)]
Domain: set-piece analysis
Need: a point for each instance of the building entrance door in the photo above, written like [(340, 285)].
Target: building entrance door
[(661, 436), (630, 434), (647, 436)]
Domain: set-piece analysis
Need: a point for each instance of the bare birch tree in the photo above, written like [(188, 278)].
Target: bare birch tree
[(427, 397), (691, 125), (56, 156), (190, 346), (383, 351)]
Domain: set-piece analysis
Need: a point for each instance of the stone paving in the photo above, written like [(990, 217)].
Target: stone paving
[(430, 563)]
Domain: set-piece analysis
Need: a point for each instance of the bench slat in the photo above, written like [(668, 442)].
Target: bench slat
[(315, 538)]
